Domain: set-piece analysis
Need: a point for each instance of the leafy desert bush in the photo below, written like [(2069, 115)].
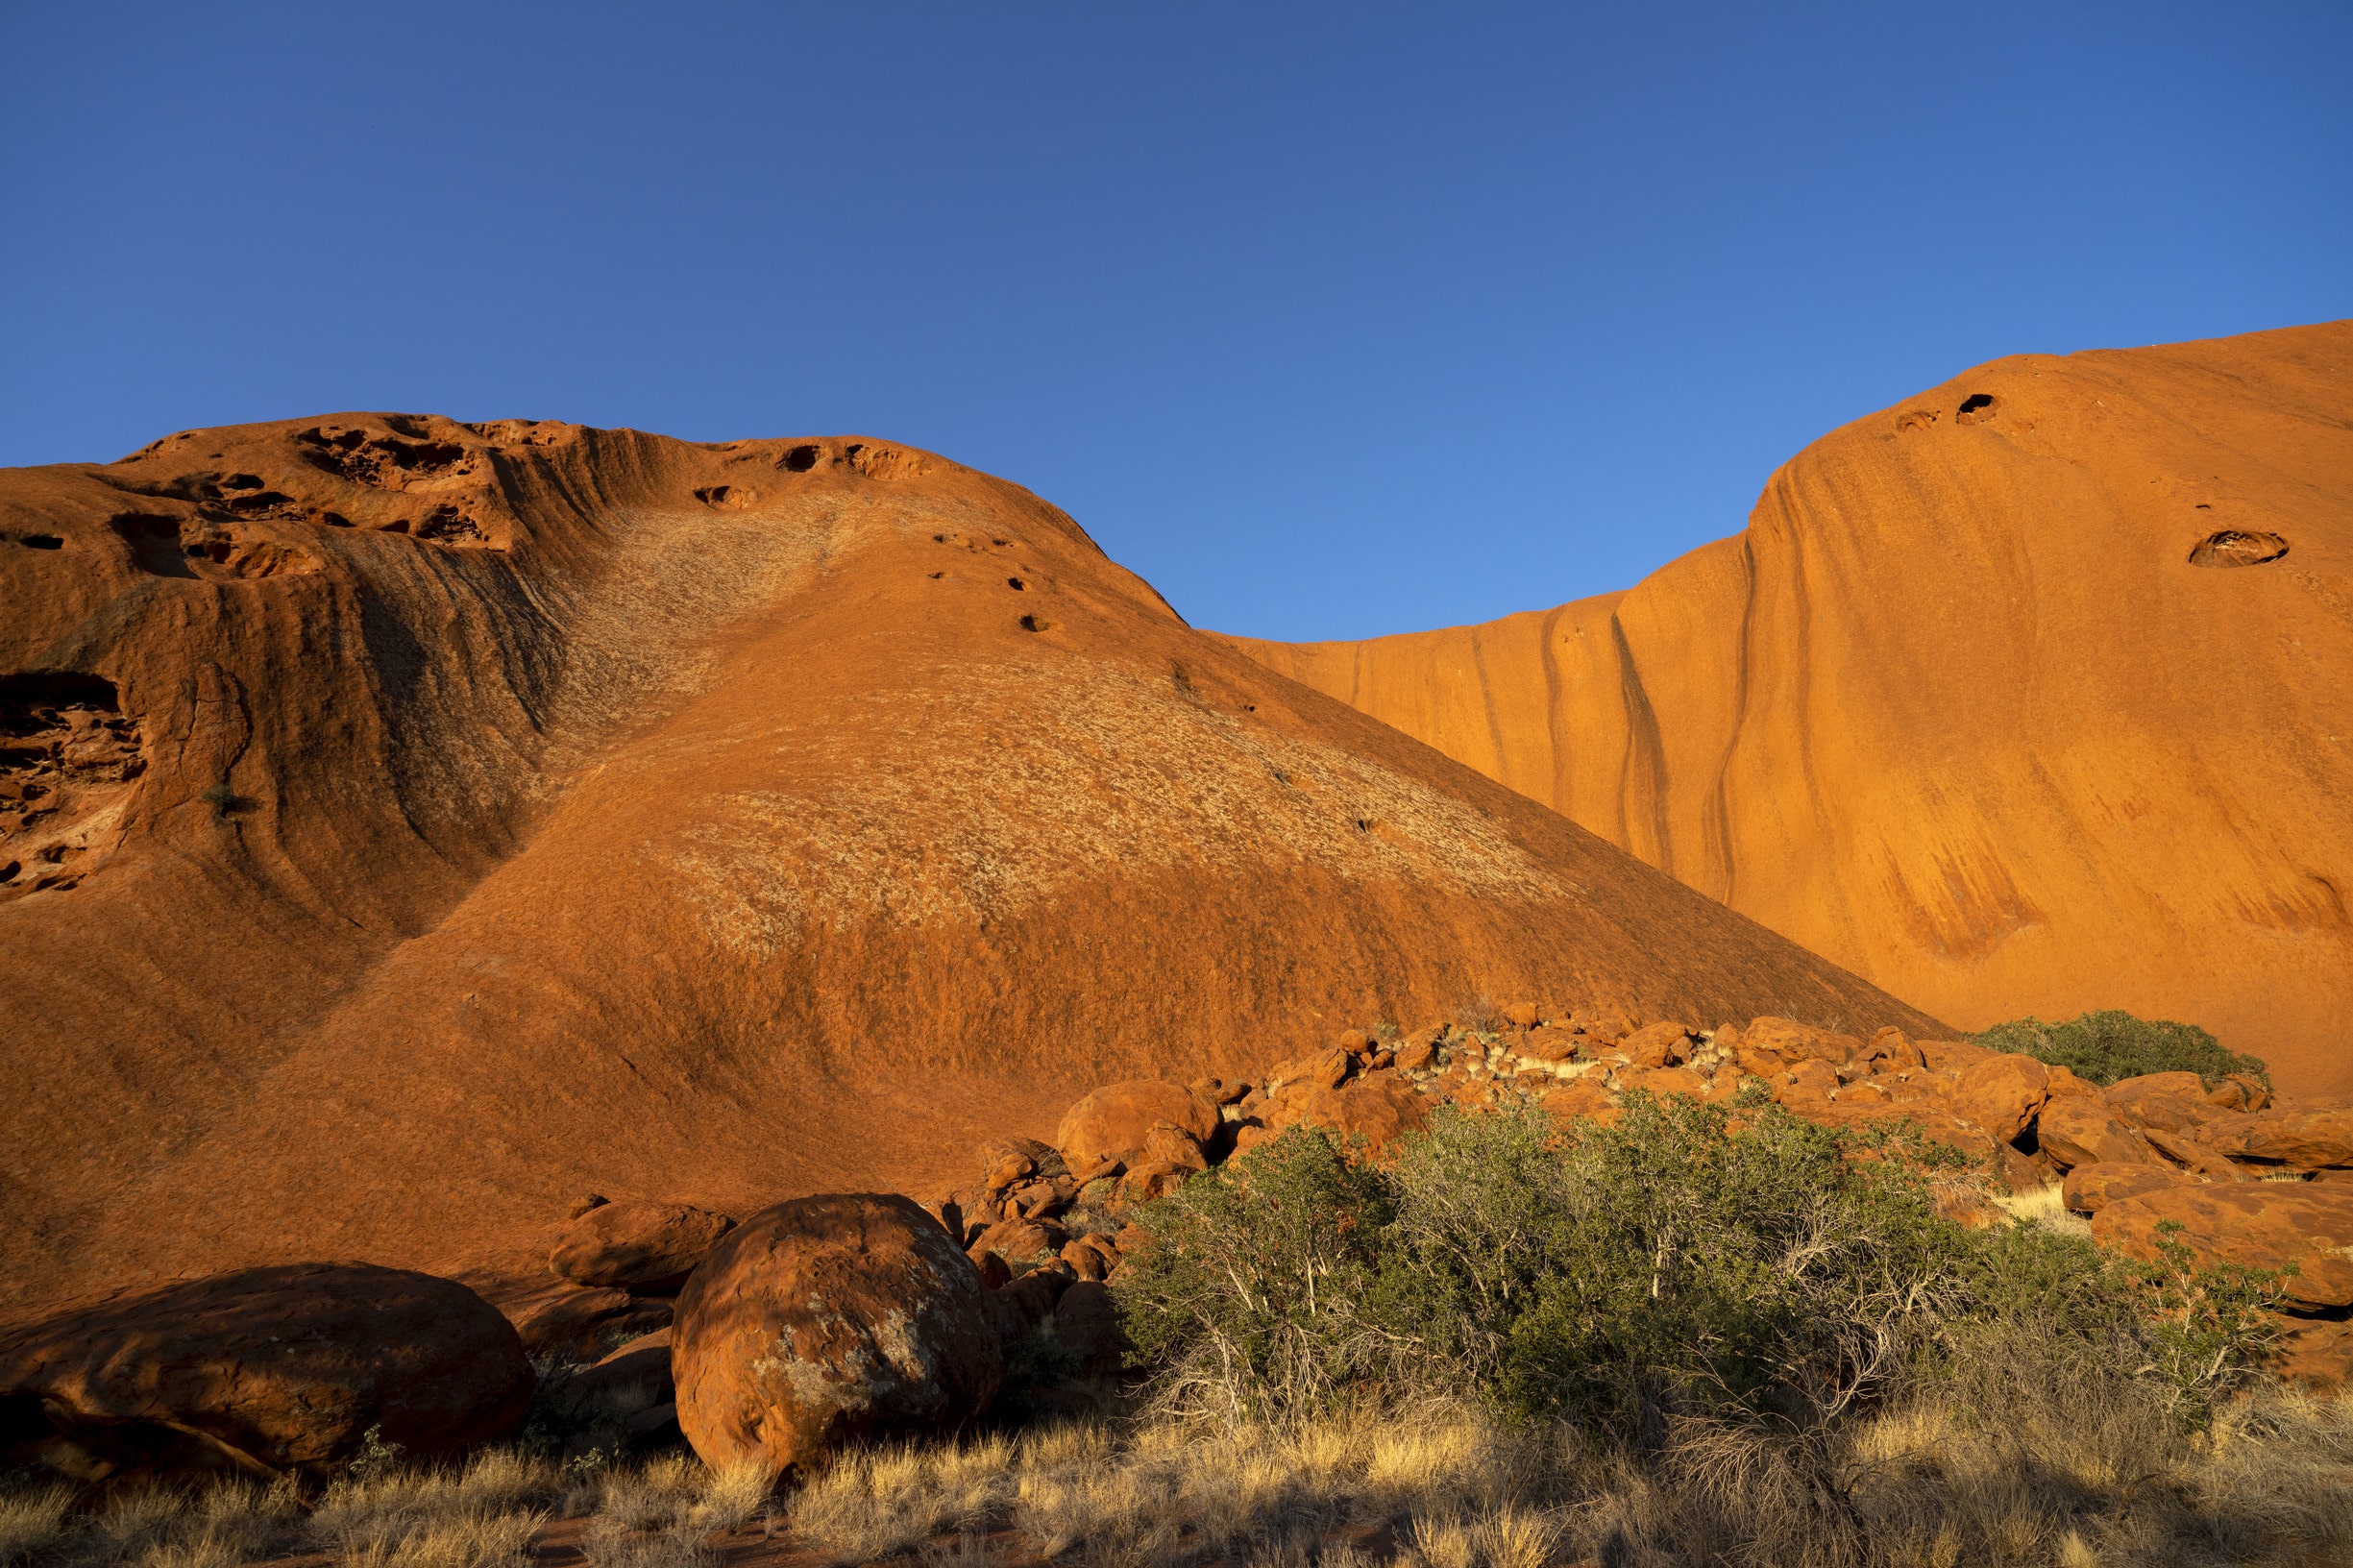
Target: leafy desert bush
[(1610, 1274), (1691, 1263), (1262, 1293), (2111, 1045), (1669, 1263)]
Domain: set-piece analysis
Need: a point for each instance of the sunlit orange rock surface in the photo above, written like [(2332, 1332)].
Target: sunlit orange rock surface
[(408, 826), (2030, 693)]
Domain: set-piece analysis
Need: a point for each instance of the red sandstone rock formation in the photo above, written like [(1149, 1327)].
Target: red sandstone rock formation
[(414, 825), (271, 1371), (2025, 694)]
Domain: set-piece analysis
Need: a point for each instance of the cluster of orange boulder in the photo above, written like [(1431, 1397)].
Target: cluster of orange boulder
[(2236, 1178)]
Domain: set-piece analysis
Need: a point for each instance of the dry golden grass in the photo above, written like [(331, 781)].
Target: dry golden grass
[(2070, 1475), (227, 1524), (671, 1546), (881, 1502), (2046, 1207), (651, 1495), (732, 1495), (1504, 1537), (466, 1537), (2003, 1464), (31, 1524), (480, 1515), (1164, 1493)]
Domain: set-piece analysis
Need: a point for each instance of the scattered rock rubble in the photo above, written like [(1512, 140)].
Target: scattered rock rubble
[(2248, 1182)]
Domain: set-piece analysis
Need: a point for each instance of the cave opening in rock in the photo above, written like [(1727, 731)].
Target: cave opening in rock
[(25, 693)]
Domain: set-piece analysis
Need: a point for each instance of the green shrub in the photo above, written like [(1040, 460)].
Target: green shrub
[(1691, 1262), (2112, 1045), (2205, 1325), (1252, 1299), (1666, 1263), (1669, 1261)]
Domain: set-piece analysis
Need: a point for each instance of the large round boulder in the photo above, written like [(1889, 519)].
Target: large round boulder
[(1116, 1120), (830, 1320), (645, 1248), (264, 1371)]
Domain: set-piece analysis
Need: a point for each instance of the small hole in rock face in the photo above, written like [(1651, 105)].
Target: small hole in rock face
[(242, 482), (937, 575), (1918, 419), (1016, 584), (42, 541), (7, 872), (800, 459), (155, 543), (2232, 547), (1036, 623), (2204, 507), (1976, 409)]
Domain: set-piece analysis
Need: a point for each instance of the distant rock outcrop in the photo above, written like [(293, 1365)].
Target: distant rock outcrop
[(2026, 694), (407, 825)]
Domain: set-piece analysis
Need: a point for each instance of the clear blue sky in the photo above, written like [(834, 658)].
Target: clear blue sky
[(1332, 320)]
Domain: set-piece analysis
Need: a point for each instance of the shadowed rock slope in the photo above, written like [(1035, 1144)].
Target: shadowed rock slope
[(411, 825), (2028, 693)]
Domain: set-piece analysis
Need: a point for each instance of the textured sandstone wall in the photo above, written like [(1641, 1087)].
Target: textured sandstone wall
[(2010, 708), (417, 824)]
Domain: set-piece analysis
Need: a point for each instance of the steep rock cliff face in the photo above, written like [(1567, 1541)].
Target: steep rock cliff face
[(2032, 692), (407, 826)]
